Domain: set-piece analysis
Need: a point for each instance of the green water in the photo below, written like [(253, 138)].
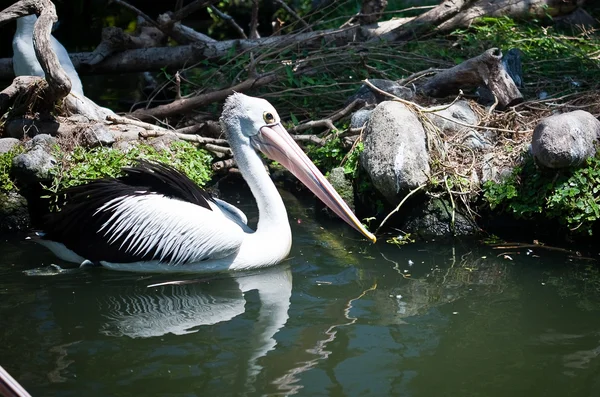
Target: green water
[(339, 318)]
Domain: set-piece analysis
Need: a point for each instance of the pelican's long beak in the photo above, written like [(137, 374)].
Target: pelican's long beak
[(275, 142)]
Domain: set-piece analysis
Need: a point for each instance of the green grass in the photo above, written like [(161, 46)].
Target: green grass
[(7, 183)]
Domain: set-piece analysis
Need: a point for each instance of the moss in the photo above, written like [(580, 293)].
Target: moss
[(82, 165)]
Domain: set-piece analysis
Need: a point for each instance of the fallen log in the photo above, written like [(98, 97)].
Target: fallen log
[(453, 14), (486, 69)]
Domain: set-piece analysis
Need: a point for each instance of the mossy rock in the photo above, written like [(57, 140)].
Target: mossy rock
[(433, 219), (14, 215)]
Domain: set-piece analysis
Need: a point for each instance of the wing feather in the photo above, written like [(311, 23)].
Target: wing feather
[(174, 231)]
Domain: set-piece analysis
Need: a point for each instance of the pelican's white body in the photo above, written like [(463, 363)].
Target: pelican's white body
[(25, 62)]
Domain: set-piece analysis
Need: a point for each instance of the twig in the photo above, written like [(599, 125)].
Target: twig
[(177, 85), (328, 122), (418, 75), (187, 104), (309, 138), (451, 201), (292, 13), (218, 149), (124, 120), (230, 20), (312, 124), (185, 137), (400, 205)]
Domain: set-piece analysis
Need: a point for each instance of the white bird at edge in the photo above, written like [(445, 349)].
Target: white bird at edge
[(25, 62), (156, 219)]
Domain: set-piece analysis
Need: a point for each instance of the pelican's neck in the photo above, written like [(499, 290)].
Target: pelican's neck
[(272, 240), (271, 211)]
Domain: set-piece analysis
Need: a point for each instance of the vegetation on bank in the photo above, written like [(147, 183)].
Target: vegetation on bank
[(80, 165), (570, 196)]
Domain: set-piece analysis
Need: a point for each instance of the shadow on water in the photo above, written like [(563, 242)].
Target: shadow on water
[(339, 317)]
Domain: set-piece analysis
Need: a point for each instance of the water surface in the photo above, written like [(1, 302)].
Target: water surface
[(339, 318)]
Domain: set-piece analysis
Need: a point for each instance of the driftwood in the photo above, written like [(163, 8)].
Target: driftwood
[(58, 83), (486, 69)]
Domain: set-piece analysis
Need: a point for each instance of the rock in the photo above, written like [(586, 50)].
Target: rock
[(395, 155), (460, 111), (163, 142), (366, 94), (7, 144), (565, 140), (337, 178), (14, 215), (125, 146), (96, 135), (491, 172), (360, 118), (35, 164), (44, 141), (433, 219), (476, 141)]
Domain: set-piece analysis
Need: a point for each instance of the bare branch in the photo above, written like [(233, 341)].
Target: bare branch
[(216, 143), (328, 122), (123, 120), (309, 138), (188, 104)]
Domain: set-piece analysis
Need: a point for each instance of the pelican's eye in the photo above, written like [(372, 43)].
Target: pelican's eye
[(268, 117)]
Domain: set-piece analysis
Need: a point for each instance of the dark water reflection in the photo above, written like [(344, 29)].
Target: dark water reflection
[(340, 317)]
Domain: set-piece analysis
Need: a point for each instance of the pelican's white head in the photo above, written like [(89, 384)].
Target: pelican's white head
[(244, 116), (254, 121)]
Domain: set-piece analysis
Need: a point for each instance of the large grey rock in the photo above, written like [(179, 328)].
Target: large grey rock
[(459, 111), (97, 135), (35, 164), (395, 155), (14, 215), (7, 144), (44, 141), (360, 118), (565, 140)]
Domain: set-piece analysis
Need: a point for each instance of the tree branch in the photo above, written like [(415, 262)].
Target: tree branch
[(185, 105)]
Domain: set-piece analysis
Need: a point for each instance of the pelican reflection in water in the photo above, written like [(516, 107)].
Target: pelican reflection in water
[(183, 307)]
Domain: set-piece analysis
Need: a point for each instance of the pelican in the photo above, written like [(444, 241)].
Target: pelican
[(156, 219), (25, 63)]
